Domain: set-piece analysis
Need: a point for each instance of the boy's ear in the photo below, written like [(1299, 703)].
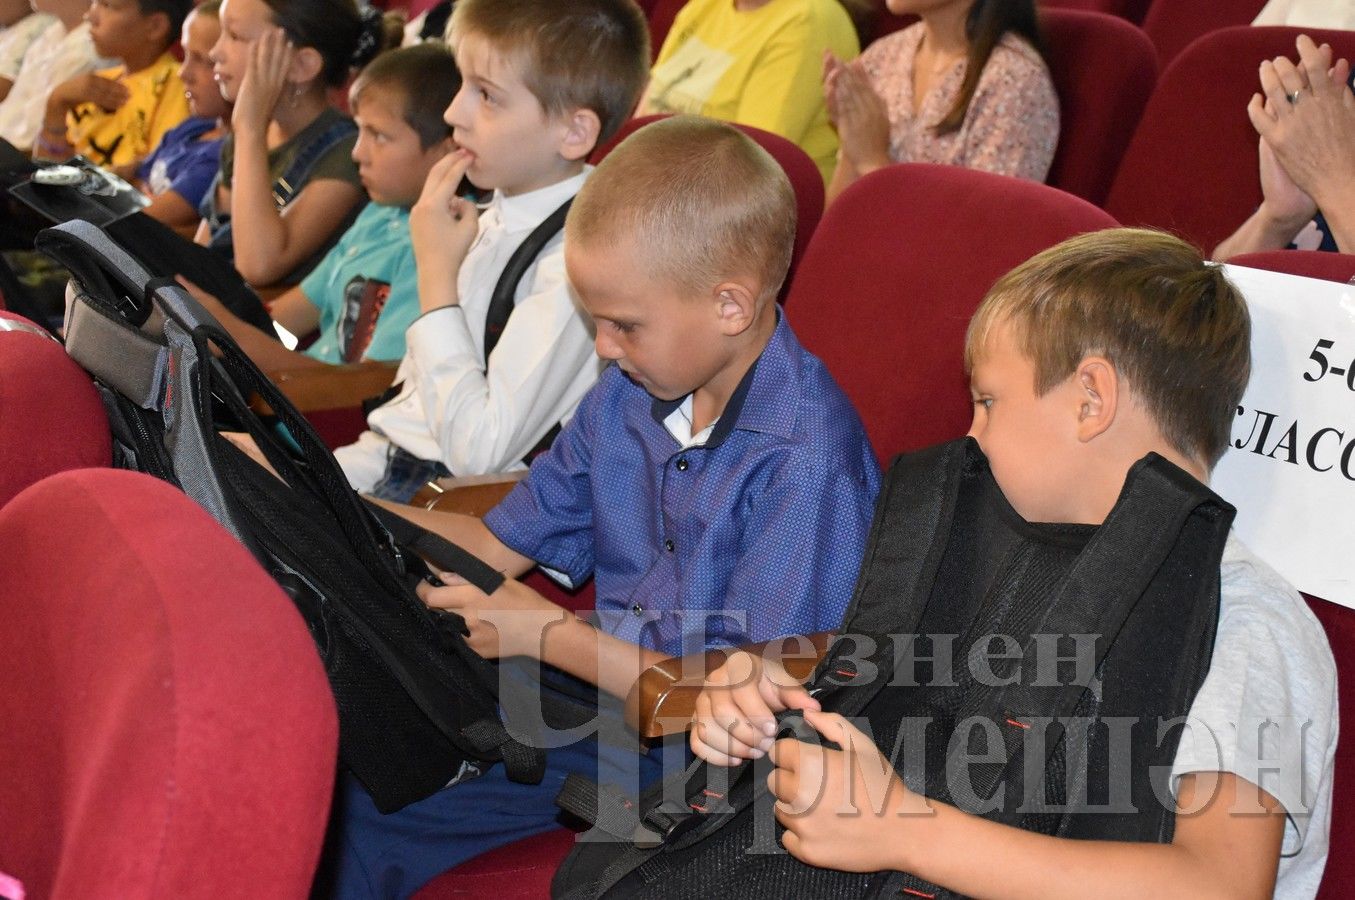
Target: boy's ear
[(736, 305), (580, 137), (157, 29), (307, 66), (1098, 396)]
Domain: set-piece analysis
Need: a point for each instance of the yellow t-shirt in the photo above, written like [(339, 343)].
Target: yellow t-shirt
[(156, 103), (761, 68)]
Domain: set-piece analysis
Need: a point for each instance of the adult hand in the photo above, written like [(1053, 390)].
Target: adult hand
[(842, 809), (735, 714), (1282, 201), (862, 120), (265, 79), (1312, 135), (442, 225), (524, 613)]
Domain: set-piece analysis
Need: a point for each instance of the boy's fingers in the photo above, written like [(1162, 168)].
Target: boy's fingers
[(722, 740), (785, 753)]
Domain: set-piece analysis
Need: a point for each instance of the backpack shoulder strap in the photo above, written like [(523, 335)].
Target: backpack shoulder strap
[(501, 302), (286, 185)]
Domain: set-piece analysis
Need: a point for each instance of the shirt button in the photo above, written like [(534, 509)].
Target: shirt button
[(637, 609), (682, 464), (668, 545)]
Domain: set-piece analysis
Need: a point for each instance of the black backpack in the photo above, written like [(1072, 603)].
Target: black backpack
[(1145, 585), (418, 709)]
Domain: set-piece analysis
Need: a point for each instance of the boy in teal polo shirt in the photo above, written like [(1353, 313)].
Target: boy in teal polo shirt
[(364, 293)]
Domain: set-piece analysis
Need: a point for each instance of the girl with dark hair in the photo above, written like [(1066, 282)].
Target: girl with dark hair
[(965, 86), (288, 185)]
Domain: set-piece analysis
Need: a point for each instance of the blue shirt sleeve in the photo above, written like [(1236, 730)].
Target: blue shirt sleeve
[(548, 517)]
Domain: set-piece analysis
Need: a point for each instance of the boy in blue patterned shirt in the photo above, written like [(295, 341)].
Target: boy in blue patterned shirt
[(715, 483)]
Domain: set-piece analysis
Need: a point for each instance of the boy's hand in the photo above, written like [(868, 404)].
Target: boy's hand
[(841, 809), (735, 715), (524, 613), (442, 227), (264, 81), (104, 93)]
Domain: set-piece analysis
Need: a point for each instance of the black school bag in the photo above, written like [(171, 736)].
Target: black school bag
[(1145, 585), (418, 709)]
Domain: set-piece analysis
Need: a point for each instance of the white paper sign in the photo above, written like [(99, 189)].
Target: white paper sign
[(1291, 468)]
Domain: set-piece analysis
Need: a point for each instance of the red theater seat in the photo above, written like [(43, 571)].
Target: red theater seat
[(50, 415), (1131, 10), (1191, 166), (519, 871), (1308, 263), (166, 728), (1104, 71), (1338, 881), (894, 272), (1172, 24)]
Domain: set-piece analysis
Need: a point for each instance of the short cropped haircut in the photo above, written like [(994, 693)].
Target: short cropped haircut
[(1174, 327), (573, 54), (175, 11), (699, 198), (426, 79)]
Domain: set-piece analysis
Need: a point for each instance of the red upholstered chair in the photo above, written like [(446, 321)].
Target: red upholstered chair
[(168, 730), (1172, 24), (661, 14), (519, 871), (1308, 263), (1132, 10), (1104, 71), (50, 416), (804, 176), (1338, 882), (893, 274), (1191, 166)]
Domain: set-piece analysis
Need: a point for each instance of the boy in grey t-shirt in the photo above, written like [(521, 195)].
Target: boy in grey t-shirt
[(1267, 710), (1083, 360)]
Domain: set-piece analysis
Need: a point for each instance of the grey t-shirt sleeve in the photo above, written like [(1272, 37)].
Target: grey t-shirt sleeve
[(1267, 711)]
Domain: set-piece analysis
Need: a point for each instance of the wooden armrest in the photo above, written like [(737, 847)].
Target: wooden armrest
[(314, 388), (664, 696), (471, 495)]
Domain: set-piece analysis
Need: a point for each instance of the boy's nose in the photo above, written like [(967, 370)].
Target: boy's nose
[(606, 347), (452, 114)]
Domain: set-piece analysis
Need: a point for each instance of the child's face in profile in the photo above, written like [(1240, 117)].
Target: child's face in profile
[(200, 33), (514, 144), (665, 341), (1028, 439), (242, 21), (392, 161), (118, 28)]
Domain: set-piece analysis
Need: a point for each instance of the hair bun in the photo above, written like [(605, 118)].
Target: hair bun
[(371, 39)]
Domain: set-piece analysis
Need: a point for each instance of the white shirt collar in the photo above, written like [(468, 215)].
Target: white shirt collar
[(526, 211), (679, 425)]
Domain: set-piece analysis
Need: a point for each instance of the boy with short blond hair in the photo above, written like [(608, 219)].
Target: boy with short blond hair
[(1084, 360), (544, 84), (716, 483)]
